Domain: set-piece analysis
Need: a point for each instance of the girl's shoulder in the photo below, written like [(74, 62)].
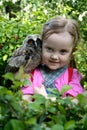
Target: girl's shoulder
[(73, 73), (69, 75)]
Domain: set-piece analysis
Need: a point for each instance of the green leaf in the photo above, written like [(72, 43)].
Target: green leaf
[(59, 119), (82, 99), (36, 127), (21, 75), (17, 83), (85, 121), (62, 109), (31, 121), (65, 88), (5, 57), (9, 76), (26, 82), (57, 127), (14, 124), (69, 125)]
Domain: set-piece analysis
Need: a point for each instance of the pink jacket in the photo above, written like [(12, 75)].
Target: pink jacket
[(59, 83)]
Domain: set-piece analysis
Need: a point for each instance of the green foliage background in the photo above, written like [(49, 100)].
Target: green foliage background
[(18, 18), (21, 17)]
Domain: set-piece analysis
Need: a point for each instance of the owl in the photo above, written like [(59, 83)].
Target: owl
[(27, 55)]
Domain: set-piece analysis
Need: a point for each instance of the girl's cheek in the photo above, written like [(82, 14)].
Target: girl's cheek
[(65, 59)]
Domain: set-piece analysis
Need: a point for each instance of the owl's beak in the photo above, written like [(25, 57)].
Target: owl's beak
[(35, 44)]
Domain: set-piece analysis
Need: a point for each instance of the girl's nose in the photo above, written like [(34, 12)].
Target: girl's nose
[(55, 56)]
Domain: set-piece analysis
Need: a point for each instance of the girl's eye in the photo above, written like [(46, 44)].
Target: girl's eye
[(63, 51), (49, 49)]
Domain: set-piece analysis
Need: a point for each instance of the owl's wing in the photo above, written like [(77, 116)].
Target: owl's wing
[(17, 61), (14, 63), (11, 69), (19, 51)]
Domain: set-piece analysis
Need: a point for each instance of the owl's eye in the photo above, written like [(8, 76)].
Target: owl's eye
[(39, 42), (30, 41)]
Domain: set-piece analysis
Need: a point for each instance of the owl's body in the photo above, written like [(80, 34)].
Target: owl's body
[(28, 55)]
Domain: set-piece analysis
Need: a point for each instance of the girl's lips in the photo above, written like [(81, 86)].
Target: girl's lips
[(54, 62)]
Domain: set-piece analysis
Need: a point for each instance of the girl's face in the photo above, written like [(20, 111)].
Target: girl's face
[(57, 50)]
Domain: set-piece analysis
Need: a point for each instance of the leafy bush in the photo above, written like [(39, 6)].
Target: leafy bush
[(42, 113)]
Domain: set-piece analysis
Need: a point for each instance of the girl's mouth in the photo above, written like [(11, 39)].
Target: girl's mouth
[(53, 62)]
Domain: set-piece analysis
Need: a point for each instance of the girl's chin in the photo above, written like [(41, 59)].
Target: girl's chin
[(53, 67)]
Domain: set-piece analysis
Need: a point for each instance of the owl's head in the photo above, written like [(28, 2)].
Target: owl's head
[(32, 45), (33, 40)]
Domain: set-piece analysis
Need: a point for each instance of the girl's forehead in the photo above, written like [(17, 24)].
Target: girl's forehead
[(60, 35), (59, 39)]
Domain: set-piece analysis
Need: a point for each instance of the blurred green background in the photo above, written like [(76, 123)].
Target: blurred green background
[(18, 18)]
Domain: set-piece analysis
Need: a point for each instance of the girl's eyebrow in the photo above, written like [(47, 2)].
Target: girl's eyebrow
[(48, 46), (63, 49)]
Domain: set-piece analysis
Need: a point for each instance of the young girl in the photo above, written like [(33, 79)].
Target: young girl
[(60, 37)]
